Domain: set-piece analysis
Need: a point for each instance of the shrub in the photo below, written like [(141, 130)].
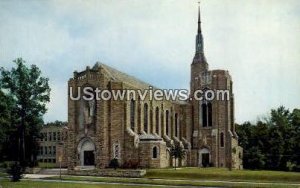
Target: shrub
[(114, 163), (15, 171), (290, 166), (130, 164)]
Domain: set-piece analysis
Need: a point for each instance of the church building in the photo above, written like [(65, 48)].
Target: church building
[(141, 133)]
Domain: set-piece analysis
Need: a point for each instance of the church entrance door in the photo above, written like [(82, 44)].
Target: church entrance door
[(205, 159), (86, 151), (89, 158)]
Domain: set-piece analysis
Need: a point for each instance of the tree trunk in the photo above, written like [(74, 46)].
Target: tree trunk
[(23, 157)]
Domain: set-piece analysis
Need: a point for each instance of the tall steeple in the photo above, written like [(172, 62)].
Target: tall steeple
[(199, 55), (199, 20)]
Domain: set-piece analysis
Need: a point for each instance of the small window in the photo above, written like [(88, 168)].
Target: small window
[(222, 139), (157, 120), (167, 122), (116, 148), (132, 114), (204, 115), (176, 125), (209, 114), (146, 117), (154, 152)]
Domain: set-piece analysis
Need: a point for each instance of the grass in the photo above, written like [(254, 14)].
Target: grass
[(46, 165), (167, 182), (224, 174), (180, 177), (204, 177), (33, 184)]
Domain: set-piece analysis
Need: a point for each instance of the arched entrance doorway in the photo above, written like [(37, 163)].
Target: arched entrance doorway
[(86, 150), (204, 157)]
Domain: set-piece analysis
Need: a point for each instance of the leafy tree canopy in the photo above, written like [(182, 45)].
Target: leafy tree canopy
[(25, 94)]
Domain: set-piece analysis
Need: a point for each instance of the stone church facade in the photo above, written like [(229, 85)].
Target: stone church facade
[(140, 133)]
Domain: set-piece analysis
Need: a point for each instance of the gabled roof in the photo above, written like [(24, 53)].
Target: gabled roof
[(132, 81), (117, 75)]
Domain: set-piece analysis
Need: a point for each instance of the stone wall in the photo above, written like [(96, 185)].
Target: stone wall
[(109, 173)]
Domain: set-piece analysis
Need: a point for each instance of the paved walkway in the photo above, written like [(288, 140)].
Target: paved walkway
[(38, 176)]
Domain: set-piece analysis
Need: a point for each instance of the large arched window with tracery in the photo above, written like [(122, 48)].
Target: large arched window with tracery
[(206, 110), (132, 114), (146, 117)]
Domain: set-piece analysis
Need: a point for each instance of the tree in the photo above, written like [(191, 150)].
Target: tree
[(30, 93), (255, 158), (177, 152), (295, 120), (273, 143), (6, 128), (15, 171)]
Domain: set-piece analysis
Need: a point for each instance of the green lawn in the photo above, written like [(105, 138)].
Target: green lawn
[(183, 177), (167, 182), (46, 165), (32, 184), (205, 177), (224, 174)]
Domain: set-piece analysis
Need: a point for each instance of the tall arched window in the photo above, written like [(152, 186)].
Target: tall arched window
[(204, 114), (209, 111), (176, 125), (146, 117), (132, 114), (157, 120), (154, 152), (222, 139), (167, 122)]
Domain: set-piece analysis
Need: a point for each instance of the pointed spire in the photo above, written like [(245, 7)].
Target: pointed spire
[(199, 38), (199, 18), (199, 55)]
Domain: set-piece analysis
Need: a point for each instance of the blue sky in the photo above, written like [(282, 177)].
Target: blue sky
[(258, 41)]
